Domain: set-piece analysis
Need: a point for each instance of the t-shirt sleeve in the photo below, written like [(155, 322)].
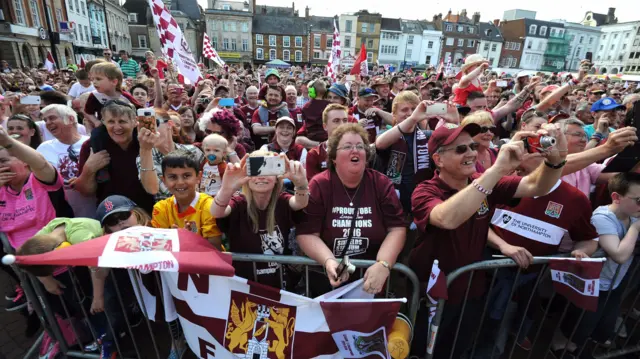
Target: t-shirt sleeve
[(505, 189), (315, 210), (209, 226), (92, 105), (312, 163), (56, 185), (582, 229), (238, 205), (84, 155), (424, 199), (604, 224), (240, 150), (595, 169), (160, 217), (389, 202)]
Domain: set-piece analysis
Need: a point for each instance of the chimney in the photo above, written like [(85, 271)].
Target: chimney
[(463, 14), (496, 22), (264, 10), (306, 12), (476, 17), (611, 16), (293, 8), (435, 18)]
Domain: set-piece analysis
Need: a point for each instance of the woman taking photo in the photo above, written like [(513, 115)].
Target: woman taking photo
[(486, 154), (260, 219), (191, 131), (22, 128), (283, 141), (331, 224)]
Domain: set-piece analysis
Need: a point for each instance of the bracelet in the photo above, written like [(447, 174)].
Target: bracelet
[(399, 130), (215, 201), (481, 189), (302, 194), (305, 188), (555, 167), (147, 169), (7, 146), (597, 136), (326, 260)]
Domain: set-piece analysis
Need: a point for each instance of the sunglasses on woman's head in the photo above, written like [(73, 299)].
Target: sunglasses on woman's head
[(461, 149)]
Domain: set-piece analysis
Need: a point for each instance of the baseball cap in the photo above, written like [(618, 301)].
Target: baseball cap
[(447, 133), (605, 104), (113, 204), (367, 92), (287, 119), (339, 90)]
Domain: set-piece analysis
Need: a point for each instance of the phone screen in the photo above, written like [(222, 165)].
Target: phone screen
[(226, 102)]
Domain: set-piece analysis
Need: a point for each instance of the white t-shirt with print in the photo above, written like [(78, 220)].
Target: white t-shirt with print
[(211, 180), (77, 89)]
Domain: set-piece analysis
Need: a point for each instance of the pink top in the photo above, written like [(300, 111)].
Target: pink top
[(585, 178), (23, 214), (460, 94)]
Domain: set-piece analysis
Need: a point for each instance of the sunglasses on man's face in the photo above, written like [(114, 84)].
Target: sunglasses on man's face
[(461, 149)]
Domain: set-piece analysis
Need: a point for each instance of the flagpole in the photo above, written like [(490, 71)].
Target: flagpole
[(54, 53)]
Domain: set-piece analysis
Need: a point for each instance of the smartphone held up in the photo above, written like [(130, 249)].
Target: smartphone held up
[(147, 119), (265, 166)]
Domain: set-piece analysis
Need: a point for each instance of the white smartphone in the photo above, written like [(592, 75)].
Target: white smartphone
[(147, 118), (501, 83), (265, 166), (351, 77), (30, 100), (437, 109)]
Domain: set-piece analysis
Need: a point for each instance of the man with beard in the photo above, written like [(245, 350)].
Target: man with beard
[(263, 121)]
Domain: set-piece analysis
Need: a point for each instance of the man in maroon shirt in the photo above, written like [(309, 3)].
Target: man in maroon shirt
[(333, 116), (381, 86), (252, 103), (291, 99), (453, 211), (367, 115)]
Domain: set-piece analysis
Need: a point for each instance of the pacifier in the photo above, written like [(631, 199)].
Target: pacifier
[(212, 158)]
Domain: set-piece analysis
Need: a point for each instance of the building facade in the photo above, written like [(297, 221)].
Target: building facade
[(229, 25), (491, 41), (139, 21), (557, 48), (391, 49), (118, 24), (615, 45), (513, 33), (594, 19), (632, 64), (279, 33), (582, 39), (24, 34), (348, 24), (320, 38), (79, 14), (411, 41), (431, 43), (368, 33), (460, 36), (98, 28)]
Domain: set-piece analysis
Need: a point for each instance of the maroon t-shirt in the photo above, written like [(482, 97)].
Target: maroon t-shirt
[(96, 100), (330, 215), (242, 239), (458, 247), (296, 115), (312, 117), (373, 123), (260, 141), (248, 113), (316, 160), (538, 224)]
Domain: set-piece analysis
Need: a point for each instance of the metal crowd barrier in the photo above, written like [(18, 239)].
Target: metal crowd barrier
[(621, 345), (150, 334)]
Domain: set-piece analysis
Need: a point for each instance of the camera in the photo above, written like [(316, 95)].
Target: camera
[(539, 144)]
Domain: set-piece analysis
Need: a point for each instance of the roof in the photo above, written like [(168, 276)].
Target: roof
[(411, 27), (538, 23), (389, 24), (495, 33), (279, 25), (275, 10), (427, 25), (139, 7), (321, 24), (189, 7), (599, 18)]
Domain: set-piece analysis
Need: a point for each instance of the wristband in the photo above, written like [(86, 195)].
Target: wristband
[(147, 169), (301, 188), (384, 264), (481, 189), (597, 136), (326, 260), (555, 167), (8, 146)]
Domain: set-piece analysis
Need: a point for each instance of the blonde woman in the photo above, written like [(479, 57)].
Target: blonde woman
[(260, 219), (486, 154)]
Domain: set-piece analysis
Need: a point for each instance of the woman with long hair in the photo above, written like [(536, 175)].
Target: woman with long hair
[(24, 129), (190, 125), (260, 219)]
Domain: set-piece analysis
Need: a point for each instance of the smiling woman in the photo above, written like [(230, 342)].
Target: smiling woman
[(283, 141)]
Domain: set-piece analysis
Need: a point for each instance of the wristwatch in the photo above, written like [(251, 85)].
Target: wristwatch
[(384, 264)]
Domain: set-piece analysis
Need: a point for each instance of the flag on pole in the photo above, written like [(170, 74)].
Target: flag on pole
[(361, 67), (449, 68), (209, 52), (82, 63), (174, 44), (441, 67), (578, 280), (49, 63), (333, 66), (436, 289)]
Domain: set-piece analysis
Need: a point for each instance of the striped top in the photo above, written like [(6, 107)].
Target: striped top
[(130, 68)]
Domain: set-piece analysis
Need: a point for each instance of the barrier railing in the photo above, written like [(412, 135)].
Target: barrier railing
[(132, 340), (495, 346)]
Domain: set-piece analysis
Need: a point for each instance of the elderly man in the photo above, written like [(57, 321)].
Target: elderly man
[(63, 152)]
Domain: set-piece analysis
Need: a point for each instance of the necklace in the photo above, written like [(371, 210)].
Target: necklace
[(351, 197)]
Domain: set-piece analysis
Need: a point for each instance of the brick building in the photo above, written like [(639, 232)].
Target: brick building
[(320, 38), (460, 36), (368, 33), (279, 33)]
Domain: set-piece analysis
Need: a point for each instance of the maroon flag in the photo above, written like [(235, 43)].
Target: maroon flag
[(49, 63), (82, 63), (578, 280)]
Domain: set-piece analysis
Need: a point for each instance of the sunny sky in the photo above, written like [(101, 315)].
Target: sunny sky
[(493, 9)]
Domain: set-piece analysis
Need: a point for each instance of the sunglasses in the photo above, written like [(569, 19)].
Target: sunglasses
[(116, 218), (637, 199), (485, 129), (461, 149)]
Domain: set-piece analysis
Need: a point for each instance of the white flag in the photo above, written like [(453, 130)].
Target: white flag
[(333, 66), (209, 52)]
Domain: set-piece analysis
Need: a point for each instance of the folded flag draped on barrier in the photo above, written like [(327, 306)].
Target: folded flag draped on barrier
[(578, 280)]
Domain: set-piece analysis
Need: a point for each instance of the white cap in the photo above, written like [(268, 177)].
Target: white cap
[(288, 119)]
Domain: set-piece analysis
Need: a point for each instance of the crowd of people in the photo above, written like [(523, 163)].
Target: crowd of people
[(405, 167)]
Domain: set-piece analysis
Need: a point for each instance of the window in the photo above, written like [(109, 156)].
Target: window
[(363, 27), (316, 54), (624, 46), (450, 41), (533, 29), (329, 41), (35, 14), (233, 26), (529, 44), (347, 41), (471, 43), (142, 41), (601, 47), (471, 29), (214, 41), (259, 40), (234, 45), (272, 54), (428, 59), (245, 45), (133, 17), (59, 14), (225, 43), (298, 41), (494, 47), (609, 57), (272, 40), (298, 56), (581, 39), (316, 40), (86, 33), (636, 42), (460, 28), (409, 53), (590, 40), (553, 32), (259, 54), (486, 46), (369, 56), (518, 46), (604, 36), (286, 55), (620, 58), (449, 27), (226, 7), (348, 25), (631, 55), (286, 41), (460, 42), (245, 27), (370, 44), (71, 5), (430, 45), (83, 7), (615, 36), (77, 5), (612, 46), (410, 40), (543, 30)]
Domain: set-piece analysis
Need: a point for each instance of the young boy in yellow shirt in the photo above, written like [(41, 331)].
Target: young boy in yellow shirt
[(186, 208)]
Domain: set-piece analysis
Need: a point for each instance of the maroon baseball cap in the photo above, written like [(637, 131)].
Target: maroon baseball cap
[(447, 133)]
